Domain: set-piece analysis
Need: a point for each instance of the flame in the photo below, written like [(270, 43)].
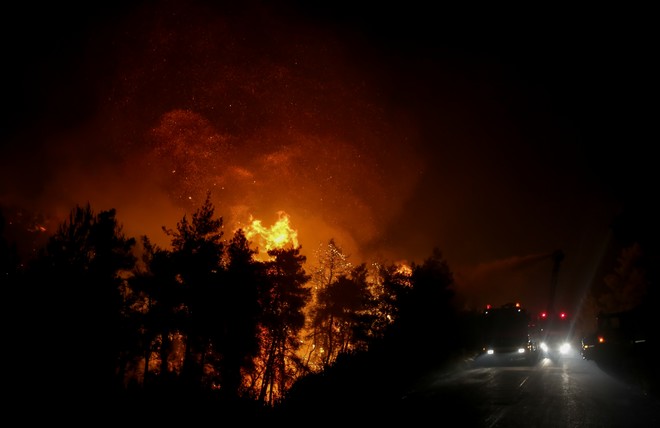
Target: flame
[(404, 269), (279, 235)]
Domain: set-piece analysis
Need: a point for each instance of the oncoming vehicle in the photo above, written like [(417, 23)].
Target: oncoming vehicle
[(555, 332), (506, 336)]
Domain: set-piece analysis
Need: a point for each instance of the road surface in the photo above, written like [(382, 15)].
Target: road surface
[(570, 393)]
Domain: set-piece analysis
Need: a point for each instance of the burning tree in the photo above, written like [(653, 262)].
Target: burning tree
[(281, 321)]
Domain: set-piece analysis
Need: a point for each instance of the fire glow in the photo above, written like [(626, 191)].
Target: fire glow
[(279, 235)]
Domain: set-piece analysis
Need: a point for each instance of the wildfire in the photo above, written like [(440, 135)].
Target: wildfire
[(279, 235), (404, 269)]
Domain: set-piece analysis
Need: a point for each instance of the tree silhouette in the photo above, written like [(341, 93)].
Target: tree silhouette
[(282, 319), (9, 258), (18, 316), (158, 303), (235, 323), (78, 284), (630, 271), (626, 287), (332, 263), (338, 308), (206, 316), (207, 293), (364, 317), (197, 252), (389, 282), (420, 313), (426, 310)]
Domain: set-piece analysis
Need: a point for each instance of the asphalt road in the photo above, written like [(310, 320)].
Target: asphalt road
[(569, 392)]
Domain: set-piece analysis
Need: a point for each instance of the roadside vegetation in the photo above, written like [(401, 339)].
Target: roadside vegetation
[(212, 326)]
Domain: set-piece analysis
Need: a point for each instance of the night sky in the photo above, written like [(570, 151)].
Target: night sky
[(496, 135)]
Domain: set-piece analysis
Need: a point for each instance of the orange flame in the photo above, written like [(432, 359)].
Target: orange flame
[(404, 269), (279, 235)]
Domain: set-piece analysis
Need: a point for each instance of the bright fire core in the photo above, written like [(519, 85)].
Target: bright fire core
[(279, 235)]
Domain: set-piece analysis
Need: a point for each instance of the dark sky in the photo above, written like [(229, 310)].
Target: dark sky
[(496, 135)]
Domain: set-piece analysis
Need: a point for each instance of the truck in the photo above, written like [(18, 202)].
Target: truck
[(625, 344), (555, 328), (621, 335), (555, 332), (507, 336)]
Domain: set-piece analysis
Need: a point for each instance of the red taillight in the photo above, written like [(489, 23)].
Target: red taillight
[(601, 339)]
